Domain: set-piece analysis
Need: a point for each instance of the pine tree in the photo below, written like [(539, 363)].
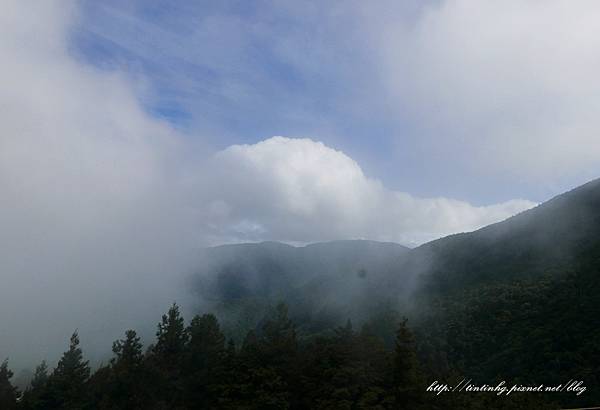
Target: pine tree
[(204, 365), (407, 375), (33, 397), (67, 383), (128, 352), (127, 372), (166, 359), (206, 346), (171, 336), (8, 393), (40, 377)]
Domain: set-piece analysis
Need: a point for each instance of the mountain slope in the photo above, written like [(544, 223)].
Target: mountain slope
[(518, 300), (551, 239)]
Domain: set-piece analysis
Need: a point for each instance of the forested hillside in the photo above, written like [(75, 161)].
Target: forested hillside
[(520, 299), (514, 300), (552, 239)]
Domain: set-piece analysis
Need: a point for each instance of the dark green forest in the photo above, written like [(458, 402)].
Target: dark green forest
[(196, 367)]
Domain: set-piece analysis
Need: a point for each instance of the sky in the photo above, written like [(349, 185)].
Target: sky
[(134, 132), (476, 101)]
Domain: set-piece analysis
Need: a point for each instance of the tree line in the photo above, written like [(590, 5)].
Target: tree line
[(195, 367)]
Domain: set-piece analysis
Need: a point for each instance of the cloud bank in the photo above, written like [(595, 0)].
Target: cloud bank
[(93, 235)]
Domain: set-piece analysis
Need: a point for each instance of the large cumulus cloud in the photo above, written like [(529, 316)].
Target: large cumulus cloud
[(301, 190)]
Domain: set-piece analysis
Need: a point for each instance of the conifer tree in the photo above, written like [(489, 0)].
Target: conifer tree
[(128, 351), (407, 375), (33, 397), (171, 336), (8, 393), (40, 377), (204, 365), (126, 369), (167, 357), (67, 383), (206, 345)]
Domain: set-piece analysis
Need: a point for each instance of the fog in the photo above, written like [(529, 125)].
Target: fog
[(103, 207), (94, 231)]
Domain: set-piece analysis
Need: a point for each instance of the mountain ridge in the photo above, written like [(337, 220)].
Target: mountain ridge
[(513, 300)]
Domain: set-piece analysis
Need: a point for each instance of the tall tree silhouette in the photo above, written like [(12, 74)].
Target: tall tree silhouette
[(204, 365), (407, 377), (171, 336), (167, 358), (8, 393), (66, 385), (127, 372), (34, 395)]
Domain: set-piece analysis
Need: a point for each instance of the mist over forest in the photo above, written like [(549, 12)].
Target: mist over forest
[(532, 276)]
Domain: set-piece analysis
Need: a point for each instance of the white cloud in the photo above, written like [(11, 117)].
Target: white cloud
[(510, 86), (89, 206), (301, 190)]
